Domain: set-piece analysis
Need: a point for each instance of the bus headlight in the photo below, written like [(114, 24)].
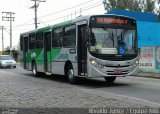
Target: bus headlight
[(94, 63)]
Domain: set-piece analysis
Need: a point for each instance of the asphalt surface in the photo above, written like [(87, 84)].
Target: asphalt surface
[(19, 89)]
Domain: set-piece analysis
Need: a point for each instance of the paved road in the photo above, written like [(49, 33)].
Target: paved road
[(18, 88), (140, 88)]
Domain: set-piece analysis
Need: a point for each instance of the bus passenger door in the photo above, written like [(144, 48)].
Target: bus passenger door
[(47, 52), (82, 50), (25, 52)]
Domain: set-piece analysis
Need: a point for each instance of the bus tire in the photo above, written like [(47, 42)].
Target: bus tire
[(70, 74), (110, 79), (34, 69)]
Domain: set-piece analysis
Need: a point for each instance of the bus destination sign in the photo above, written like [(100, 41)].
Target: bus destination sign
[(103, 20)]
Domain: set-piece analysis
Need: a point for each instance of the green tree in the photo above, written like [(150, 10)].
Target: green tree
[(133, 5), (150, 5), (107, 5), (158, 9), (123, 4)]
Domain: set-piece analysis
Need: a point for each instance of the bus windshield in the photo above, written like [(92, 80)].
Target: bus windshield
[(112, 41)]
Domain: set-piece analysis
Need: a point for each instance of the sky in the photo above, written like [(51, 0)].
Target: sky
[(50, 12)]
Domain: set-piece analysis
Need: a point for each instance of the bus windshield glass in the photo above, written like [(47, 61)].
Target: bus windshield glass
[(113, 41)]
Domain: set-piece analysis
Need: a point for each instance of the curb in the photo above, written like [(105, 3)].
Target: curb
[(149, 75)]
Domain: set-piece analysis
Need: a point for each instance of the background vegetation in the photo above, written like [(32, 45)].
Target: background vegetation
[(149, 6)]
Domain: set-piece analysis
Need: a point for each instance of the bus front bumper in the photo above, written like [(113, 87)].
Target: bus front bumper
[(107, 72)]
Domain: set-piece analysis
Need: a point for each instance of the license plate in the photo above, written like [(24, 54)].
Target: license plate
[(117, 71)]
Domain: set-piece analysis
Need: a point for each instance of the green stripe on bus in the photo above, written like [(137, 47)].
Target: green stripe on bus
[(55, 52)]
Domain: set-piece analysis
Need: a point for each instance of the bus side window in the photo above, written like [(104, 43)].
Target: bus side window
[(69, 39), (32, 41), (57, 35), (39, 40)]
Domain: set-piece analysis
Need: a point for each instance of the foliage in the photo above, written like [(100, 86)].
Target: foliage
[(133, 5), (149, 6)]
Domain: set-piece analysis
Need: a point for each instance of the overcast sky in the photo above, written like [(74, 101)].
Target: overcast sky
[(24, 16)]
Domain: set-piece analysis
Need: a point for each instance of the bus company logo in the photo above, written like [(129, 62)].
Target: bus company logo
[(118, 65)]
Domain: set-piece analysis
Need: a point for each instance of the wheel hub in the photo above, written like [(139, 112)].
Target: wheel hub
[(70, 73), (34, 70)]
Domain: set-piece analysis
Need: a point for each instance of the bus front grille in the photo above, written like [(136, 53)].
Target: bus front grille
[(114, 57)]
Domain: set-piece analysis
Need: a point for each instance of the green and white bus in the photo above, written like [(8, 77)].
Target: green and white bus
[(87, 46)]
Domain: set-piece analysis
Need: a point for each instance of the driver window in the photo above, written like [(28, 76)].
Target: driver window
[(129, 40)]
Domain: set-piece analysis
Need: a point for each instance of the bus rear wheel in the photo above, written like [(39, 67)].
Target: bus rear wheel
[(70, 75), (110, 79), (34, 69)]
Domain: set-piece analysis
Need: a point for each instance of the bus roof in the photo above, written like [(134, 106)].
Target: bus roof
[(80, 18), (47, 28)]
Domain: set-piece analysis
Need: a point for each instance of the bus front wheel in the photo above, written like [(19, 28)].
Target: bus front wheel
[(70, 74), (110, 79)]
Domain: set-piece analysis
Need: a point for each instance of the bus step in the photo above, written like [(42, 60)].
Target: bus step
[(48, 73)]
